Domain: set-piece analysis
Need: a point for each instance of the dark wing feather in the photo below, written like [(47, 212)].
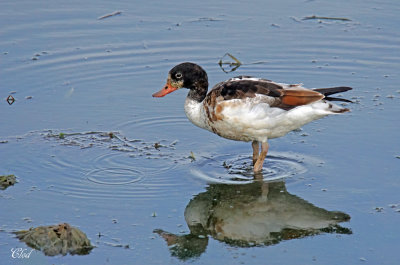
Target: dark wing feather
[(240, 88)]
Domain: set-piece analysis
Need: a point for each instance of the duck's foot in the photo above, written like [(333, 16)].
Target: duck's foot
[(256, 151), (260, 160)]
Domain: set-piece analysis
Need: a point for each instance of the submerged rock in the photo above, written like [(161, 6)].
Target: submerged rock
[(53, 240), (7, 181)]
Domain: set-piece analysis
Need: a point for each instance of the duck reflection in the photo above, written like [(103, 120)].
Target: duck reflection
[(248, 215)]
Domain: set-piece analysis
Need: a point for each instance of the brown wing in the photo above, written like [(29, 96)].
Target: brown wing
[(300, 97)]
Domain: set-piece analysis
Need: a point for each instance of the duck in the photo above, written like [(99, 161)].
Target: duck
[(250, 109)]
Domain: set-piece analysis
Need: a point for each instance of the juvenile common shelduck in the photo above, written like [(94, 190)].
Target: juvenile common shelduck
[(248, 109)]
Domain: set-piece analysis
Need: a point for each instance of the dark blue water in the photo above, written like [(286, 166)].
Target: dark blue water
[(74, 74)]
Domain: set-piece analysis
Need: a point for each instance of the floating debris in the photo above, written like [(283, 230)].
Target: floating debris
[(206, 19), (110, 15), (231, 66), (295, 19), (115, 245), (70, 92), (192, 156), (28, 97), (27, 219), (328, 18), (226, 165), (259, 62), (3, 141), (173, 143), (7, 181), (53, 240), (112, 140), (157, 146)]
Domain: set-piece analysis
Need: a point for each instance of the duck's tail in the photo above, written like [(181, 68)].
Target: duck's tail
[(332, 108), (333, 90)]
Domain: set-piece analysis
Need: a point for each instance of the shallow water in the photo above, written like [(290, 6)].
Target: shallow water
[(128, 166)]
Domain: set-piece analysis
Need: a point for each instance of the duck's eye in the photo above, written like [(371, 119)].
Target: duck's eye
[(178, 75)]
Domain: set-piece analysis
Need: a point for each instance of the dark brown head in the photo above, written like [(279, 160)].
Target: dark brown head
[(186, 75)]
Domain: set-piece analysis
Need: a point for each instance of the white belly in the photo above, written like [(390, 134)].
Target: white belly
[(253, 119)]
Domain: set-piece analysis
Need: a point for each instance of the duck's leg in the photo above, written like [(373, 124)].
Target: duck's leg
[(256, 151), (260, 161)]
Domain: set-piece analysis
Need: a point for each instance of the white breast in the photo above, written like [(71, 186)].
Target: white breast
[(195, 112)]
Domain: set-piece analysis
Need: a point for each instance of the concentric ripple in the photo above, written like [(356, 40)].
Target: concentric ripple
[(114, 176), (230, 169), (79, 177), (150, 163), (99, 165), (155, 127)]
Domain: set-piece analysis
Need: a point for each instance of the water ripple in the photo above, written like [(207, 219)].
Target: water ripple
[(101, 165), (114, 176), (238, 169)]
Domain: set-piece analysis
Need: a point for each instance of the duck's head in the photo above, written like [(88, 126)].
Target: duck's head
[(186, 75)]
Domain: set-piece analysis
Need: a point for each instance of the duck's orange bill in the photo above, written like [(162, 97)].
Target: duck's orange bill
[(166, 90)]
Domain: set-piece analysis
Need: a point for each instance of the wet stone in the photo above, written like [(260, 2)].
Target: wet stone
[(53, 240), (7, 181)]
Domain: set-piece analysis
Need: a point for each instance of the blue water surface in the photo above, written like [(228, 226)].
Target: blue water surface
[(75, 75)]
